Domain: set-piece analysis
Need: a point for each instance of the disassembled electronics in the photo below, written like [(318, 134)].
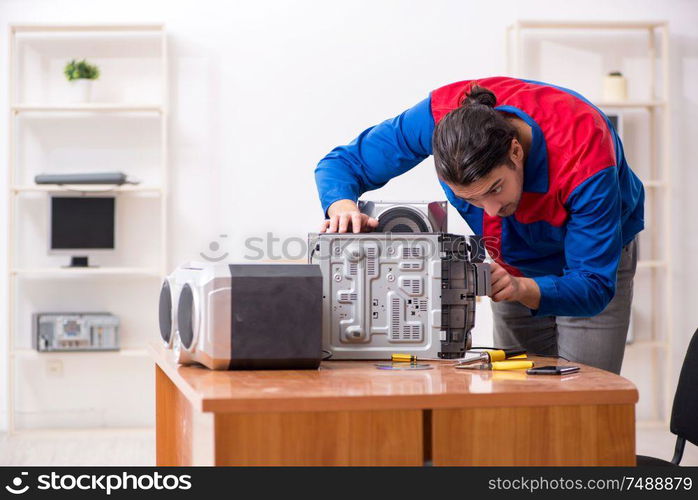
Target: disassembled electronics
[(75, 332), (407, 217), (410, 293)]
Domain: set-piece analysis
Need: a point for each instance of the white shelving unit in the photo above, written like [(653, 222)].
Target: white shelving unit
[(81, 35), (657, 185)]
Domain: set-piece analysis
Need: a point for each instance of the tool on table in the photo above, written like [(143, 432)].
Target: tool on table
[(498, 365), (403, 358), (491, 356), (553, 370)]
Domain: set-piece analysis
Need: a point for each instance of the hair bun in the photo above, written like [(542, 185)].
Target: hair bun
[(481, 95)]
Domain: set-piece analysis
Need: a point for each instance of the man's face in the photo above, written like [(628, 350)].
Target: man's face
[(499, 192)]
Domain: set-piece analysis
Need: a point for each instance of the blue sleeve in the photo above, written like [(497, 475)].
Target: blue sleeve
[(592, 251), (380, 153)]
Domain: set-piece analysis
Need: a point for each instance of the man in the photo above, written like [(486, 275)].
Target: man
[(540, 173)]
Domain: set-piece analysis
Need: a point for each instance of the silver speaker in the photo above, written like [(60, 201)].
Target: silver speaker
[(407, 216), (245, 316), (169, 297)]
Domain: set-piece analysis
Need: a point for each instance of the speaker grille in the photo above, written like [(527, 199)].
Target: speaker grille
[(165, 312), (402, 220), (185, 314)]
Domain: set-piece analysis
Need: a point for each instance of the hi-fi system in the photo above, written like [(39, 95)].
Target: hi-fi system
[(408, 287), (75, 332)]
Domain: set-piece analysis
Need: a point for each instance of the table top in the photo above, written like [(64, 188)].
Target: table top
[(359, 385)]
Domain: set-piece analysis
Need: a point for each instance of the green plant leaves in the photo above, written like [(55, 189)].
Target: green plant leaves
[(80, 69)]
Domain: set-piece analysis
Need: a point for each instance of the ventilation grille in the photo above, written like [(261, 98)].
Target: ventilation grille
[(400, 332), (423, 305), (347, 296), (395, 319), (353, 268), (410, 266), (413, 286), (411, 253), (412, 332), (371, 254)]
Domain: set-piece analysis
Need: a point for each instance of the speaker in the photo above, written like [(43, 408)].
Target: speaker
[(407, 217), (247, 316), (169, 297)]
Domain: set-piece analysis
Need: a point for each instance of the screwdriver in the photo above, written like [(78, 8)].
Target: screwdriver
[(491, 356), (403, 358), (485, 356), (499, 365)]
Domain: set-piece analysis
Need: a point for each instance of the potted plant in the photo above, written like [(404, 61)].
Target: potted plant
[(81, 74)]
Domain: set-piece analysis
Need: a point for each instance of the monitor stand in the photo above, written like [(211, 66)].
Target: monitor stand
[(79, 262)]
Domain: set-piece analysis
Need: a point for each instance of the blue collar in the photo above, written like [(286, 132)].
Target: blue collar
[(536, 166)]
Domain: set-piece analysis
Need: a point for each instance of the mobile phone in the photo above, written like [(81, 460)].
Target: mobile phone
[(552, 370)]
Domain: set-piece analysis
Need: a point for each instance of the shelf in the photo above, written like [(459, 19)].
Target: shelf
[(20, 28), (88, 271), (89, 108), (650, 264), (32, 353), (87, 188), (654, 184), (630, 104), (608, 25), (649, 343)]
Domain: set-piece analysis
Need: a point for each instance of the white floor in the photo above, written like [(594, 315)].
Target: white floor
[(137, 447), (69, 447)]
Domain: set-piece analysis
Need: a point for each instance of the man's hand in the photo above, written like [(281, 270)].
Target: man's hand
[(510, 288), (345, 213)]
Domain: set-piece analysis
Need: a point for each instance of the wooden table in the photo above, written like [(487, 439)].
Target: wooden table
[(350, 413)]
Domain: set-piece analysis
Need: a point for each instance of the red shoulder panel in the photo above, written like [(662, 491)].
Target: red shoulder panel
[(577, 138), (578, 145)]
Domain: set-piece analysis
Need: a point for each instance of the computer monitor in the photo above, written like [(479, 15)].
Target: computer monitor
[(81, 224), (616, 120)]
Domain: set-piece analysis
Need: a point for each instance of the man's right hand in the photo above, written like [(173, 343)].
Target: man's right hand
[(344, 214)]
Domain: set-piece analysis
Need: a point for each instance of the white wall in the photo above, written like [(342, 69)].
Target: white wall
[(261, 90)]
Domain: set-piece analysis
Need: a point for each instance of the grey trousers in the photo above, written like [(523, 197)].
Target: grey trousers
[(597, 341)]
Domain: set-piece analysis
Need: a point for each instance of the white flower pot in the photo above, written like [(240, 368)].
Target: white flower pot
[(80, 90)]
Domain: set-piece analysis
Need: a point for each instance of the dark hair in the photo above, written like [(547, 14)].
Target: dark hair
[(472, 139)]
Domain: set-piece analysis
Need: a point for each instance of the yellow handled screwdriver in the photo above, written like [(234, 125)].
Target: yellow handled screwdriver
[(486, 356), (499, 365), (493, 355), (403, 358)]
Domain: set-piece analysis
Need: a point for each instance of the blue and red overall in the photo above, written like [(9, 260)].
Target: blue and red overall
[(581, 202)]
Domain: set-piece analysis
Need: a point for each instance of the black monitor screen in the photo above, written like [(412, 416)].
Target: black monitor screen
[(82, 222)]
